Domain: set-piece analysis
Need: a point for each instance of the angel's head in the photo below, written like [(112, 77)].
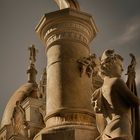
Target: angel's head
[(111, 64)]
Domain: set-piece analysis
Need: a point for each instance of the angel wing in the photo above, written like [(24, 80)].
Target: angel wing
[(62, 4)]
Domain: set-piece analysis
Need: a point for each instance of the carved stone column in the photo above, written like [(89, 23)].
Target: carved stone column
[(67, 34)]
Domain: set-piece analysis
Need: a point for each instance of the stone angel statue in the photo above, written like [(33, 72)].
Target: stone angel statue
[(112, 102), (68, 4)]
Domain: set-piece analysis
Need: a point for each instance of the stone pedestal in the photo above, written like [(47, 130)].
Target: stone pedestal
[(67, 34)]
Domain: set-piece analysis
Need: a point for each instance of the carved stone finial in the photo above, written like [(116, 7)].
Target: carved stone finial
[(68, 4), (87, 65)]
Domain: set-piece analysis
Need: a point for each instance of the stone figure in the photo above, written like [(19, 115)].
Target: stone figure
[(18, 121), (33, 52), (113, 101), (131, 74), (132, 86), (68, 4)]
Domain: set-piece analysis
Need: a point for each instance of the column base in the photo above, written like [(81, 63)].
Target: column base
[(68, 133)]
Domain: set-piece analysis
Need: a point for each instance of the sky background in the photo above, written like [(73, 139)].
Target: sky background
[(118, 22)]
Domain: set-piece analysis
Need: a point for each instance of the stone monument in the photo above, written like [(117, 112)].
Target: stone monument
[(66, 34), (58, 107)]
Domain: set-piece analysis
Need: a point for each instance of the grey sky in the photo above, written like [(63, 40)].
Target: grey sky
[(118, 22)]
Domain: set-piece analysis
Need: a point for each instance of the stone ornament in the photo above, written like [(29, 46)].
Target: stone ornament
[(112, 102), (62, 4), (68, 31), (87, 65)]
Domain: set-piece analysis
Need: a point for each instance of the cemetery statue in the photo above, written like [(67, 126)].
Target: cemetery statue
[(112, 102)]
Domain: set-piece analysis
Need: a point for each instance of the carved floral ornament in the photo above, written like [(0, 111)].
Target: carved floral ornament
[(88, 65)]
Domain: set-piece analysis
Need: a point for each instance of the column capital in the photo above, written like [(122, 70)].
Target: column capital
[(68, 25)]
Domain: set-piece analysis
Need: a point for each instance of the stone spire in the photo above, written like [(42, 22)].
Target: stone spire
[(32, 72)]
